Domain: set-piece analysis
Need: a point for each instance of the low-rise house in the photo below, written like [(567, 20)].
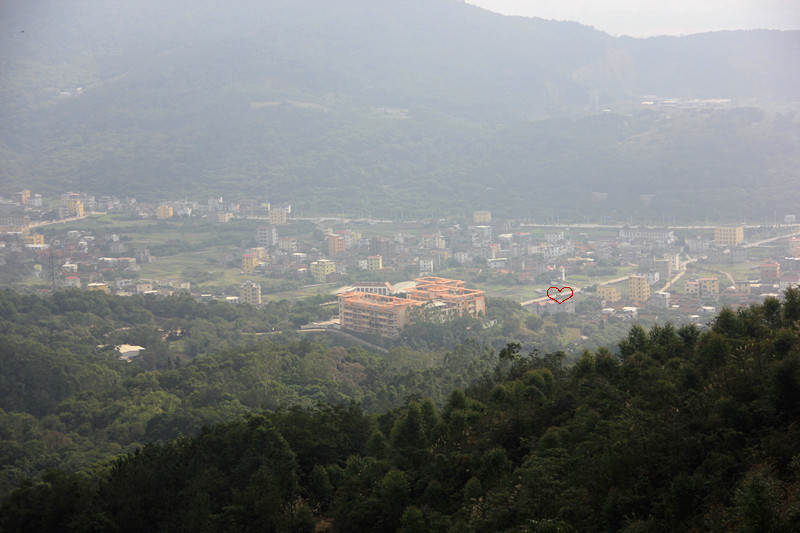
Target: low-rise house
[(98, 286), (788, 281), (320, 270), (609, 293), (550, 307), (127, 352), (660, 300), (770, 271)]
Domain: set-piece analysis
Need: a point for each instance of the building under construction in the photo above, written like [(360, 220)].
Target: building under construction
[(450, 295), (387, 315)]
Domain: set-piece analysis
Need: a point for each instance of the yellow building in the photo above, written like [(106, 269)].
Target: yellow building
[(250, 293), (103, 287), (164, 211), (482, 217), (17, 223), (374, 262), (321, 269), (249, 263), (23, 197), (728, 235), (608, 293), (74, 206), (287, 244), (259, 251), (277, 217), (709, 287), (34, 238), (692, 288), (794, 247), (638, 289), (221, 216)]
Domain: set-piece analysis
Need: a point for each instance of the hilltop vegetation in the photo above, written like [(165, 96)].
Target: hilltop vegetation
[(67, 401), (681, 430)]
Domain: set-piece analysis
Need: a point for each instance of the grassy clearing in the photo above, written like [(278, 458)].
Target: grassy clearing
[(739, 271)]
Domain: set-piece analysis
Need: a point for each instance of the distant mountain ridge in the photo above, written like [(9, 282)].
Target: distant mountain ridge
[(157, 97), (393, 52)]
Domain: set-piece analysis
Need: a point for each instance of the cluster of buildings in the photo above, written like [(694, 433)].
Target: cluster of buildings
[(686, 293), (483, 247), (380, 308), (22, 209), (482, 244)]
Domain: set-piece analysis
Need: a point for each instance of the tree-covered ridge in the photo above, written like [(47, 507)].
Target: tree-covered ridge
[(66, 401), (683, 430)]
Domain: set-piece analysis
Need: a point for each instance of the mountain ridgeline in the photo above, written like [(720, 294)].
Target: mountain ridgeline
[(415, 106)]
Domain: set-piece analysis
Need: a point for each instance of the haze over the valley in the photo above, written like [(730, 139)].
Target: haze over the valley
[(412, 107), (399, 266)]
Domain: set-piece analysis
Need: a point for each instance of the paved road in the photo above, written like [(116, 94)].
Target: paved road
[(620, 226), (62, 221), (544, 298), (615, 280), (349, 336), (680, 273), (759, 243)]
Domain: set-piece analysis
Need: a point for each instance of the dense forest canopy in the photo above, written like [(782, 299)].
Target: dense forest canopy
[(682, 430), (67, 401), (397, 107)]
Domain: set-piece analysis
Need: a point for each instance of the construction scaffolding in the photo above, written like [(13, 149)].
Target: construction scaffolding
[(455, 297)]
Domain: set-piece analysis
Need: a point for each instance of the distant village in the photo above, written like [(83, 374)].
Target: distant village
[(682, 279)]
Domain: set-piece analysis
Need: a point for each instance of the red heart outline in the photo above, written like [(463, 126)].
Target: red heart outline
[(571, 292)]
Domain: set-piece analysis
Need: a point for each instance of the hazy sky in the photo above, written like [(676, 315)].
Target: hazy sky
[(641, 18)]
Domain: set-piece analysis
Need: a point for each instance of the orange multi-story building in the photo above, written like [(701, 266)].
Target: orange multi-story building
[(336, 245), (770, 271), (387, 315), (375, 313)]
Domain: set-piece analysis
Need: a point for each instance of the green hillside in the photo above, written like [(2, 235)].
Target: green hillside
[(681, 430), (67, 401)]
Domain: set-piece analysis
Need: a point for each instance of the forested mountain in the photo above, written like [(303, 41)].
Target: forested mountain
[(683, 430), (382, 107), (67, 401)]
